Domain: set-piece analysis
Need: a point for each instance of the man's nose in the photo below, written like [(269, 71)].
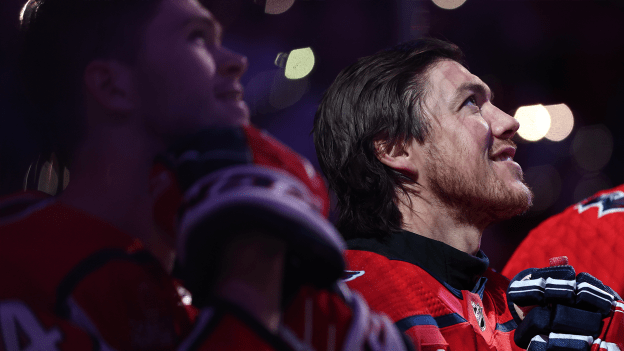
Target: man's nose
[(232, 64), (503, 125)]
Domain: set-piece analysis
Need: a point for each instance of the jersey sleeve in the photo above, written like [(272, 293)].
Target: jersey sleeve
[(26, 320), (23, 325)]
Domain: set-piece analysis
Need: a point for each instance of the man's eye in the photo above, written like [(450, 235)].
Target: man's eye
[(198, 35), (472, 100)]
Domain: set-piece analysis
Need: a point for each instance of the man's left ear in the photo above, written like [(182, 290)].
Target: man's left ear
[(112, 84), (407, 160)]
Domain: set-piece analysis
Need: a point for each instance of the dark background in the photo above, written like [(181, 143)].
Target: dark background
[(529, 52)]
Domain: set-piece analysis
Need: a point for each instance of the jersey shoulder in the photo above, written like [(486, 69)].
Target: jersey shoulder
[(48, 241), (74, 267), (586, 232), (433, 314), (395, 287), (12, 206)]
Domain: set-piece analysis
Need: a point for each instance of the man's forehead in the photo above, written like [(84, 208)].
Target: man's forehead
[(173, 14), (448, 76)]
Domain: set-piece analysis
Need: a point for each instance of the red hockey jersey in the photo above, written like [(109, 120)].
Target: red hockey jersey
[(314, 320), (588, 233), (429, 310), (73, 282), (226, 327)]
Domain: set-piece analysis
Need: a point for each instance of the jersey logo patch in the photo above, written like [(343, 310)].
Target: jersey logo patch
[(478, 312), (606, 203), (350, 275)]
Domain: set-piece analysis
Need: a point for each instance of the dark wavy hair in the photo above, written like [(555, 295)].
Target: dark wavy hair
[(58, 40), (377, 99)]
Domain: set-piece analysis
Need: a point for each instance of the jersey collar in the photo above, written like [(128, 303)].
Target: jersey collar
[(447, 264)]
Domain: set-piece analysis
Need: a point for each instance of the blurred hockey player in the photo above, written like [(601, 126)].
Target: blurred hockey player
[(116, 82), (421, 162)]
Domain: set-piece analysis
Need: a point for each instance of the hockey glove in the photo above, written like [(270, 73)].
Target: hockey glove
[(555, 309)]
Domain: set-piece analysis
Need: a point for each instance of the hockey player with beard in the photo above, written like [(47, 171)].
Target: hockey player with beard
[(421, 162)]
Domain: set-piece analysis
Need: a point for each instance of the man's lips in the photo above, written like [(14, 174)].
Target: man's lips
[(505, 153)]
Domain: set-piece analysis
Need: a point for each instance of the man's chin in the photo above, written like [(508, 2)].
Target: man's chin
[(516, 203)]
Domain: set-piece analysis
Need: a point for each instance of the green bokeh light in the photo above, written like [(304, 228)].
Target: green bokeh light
[(299, 64)]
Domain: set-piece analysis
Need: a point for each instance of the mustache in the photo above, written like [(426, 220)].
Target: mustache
[(496, 147)]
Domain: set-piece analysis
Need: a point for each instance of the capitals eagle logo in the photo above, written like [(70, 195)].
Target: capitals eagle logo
[(606, 203)]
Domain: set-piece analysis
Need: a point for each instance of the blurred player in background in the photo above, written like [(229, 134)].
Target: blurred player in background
[(422, 162), (587, 233), (117, 83)]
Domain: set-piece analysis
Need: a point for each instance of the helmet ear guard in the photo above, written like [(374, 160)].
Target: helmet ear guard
[(46, 174)]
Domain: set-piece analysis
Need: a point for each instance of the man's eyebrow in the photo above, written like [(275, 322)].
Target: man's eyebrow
[(478, 88), (206, 21)]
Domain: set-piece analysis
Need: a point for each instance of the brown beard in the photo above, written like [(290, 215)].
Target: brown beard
[(476, 199)]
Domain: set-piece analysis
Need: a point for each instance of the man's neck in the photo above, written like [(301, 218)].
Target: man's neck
[(110, 180), (428, 217)]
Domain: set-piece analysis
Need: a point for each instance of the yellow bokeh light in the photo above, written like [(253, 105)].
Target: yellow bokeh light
[(534, 122), (276, 7), (561, 122), (299, 64), (449, 4)]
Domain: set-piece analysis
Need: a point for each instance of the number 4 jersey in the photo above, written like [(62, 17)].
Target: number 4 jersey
[(70, 281)]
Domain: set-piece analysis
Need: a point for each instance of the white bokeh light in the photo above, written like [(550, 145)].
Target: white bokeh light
[(449, 4), (561, 122), (534, 122), (276, 7)]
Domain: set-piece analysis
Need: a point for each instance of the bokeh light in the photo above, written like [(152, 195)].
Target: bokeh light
[(297, 64), (276, 7), (534, 122), (591, 184), (270, 91), (286, 92), (592, 147), (65, 177), (545, 182), (48, 179), (449, 4), (258, 89), (561, 122)]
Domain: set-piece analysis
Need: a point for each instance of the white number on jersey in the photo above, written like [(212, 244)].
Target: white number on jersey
[(14, 314)]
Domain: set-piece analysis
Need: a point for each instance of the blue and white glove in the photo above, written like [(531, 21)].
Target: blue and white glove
[(555, 309)]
